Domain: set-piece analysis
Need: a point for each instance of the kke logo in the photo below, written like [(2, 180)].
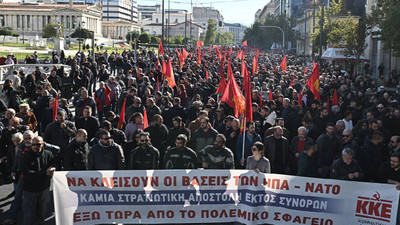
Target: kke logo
[(374, 208)]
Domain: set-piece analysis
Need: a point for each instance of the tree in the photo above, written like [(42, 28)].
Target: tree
[(211, 32), (5, 31), (154, 40), (82, 33), (16, 35), (144, 38), (386, 16), (355, 38), (135, 34), (178, 39), (225, 38), (50, 30)]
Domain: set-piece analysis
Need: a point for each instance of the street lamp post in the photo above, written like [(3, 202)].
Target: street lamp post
[(283, 35)]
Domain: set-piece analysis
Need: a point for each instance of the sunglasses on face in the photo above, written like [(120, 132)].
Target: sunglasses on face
[(345, 135), (36, 144), (144, 141)]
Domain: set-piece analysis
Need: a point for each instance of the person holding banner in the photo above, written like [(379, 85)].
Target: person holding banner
[(257, 161), (145, 156), (346, 168), (217, 156), (250, 138), (277, 151), (180, 156)]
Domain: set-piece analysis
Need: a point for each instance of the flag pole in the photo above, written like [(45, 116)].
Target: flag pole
[(244, 135)]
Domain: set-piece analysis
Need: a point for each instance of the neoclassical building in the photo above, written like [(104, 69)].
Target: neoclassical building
[(28, 20)]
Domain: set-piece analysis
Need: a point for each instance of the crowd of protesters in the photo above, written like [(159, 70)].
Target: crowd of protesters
[(188, 127)]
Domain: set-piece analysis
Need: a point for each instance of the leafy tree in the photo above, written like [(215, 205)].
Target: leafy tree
[(82, 33), (386, 16), (5, 31), (16, 35), (211, 32), (154, 40), (144, 37), (178, 39), (225, 38), (355, 38), (50, 30), (135, 34)]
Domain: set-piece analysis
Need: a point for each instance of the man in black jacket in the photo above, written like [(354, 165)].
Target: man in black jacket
[(106, 155), (329, 147), (177, 129), (158, 134), (75, 158), (144, 157), (88, 122), (346, 168), (180, 156), (37, 167)]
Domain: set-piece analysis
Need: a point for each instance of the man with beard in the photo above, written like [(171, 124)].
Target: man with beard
[(250, 138), (145, 156), (158, 133), (389, 172), (106, 155), (217, 156), (88, 122), (180, 156), (277, 151), (346, 168), (75, 158), (177, 129)]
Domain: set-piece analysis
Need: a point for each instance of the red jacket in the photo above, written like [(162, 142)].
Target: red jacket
[(102, 98)]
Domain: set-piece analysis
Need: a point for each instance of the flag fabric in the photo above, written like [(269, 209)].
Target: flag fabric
[(335, 100), (199, 44), (270, 98), (246, 81), (218, 53), (255, 66), (169, 74), (244, 43), (145, 120), (313, 82), (230, 50), (284, 64), (164, 68), (265, 68), (207, 75), (122, 46), (292, 81), (158, 84), (55, 107), (221, 86), (160, 48), (185, 53), (306, 70), (313, 65), (248, 112), (234, 97), (199, 56), (122, 116), (242, 71), (221, 69), (300, 100), (138, 72), (230, 72)]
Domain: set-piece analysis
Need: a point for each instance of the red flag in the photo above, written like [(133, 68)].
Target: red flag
[(185, 53), (313, 65), (145, 120), (218, 53), (164, 68), (306, 70), (160, 48), (122, 46), (292, 82), (244, 43), (207, 75), (230, 72), (138, 72), (265, 68), (230, 50), (284, 64), (300, 100), (270, 98), (122, 116), (169, 74), (313, 82), (248, 113), (199, 56), (335, 100), (239, 54), (243, 69), (221, 86), (200, 43), (255, 69), (55, 107), (234, 97)]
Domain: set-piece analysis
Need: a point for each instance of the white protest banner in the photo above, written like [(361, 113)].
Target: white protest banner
[(212, 196)]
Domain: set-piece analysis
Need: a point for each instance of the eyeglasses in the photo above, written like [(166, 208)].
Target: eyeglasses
[(37, 144), (345, 135), (144, 141)]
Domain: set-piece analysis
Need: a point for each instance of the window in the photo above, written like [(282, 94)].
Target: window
[(43, 21), (62, 20), (73, 22), (48, 19), (28, 21), (156, 20), (2, 22), (23, 21), (176, 20), (18, 21), (68, 23)]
